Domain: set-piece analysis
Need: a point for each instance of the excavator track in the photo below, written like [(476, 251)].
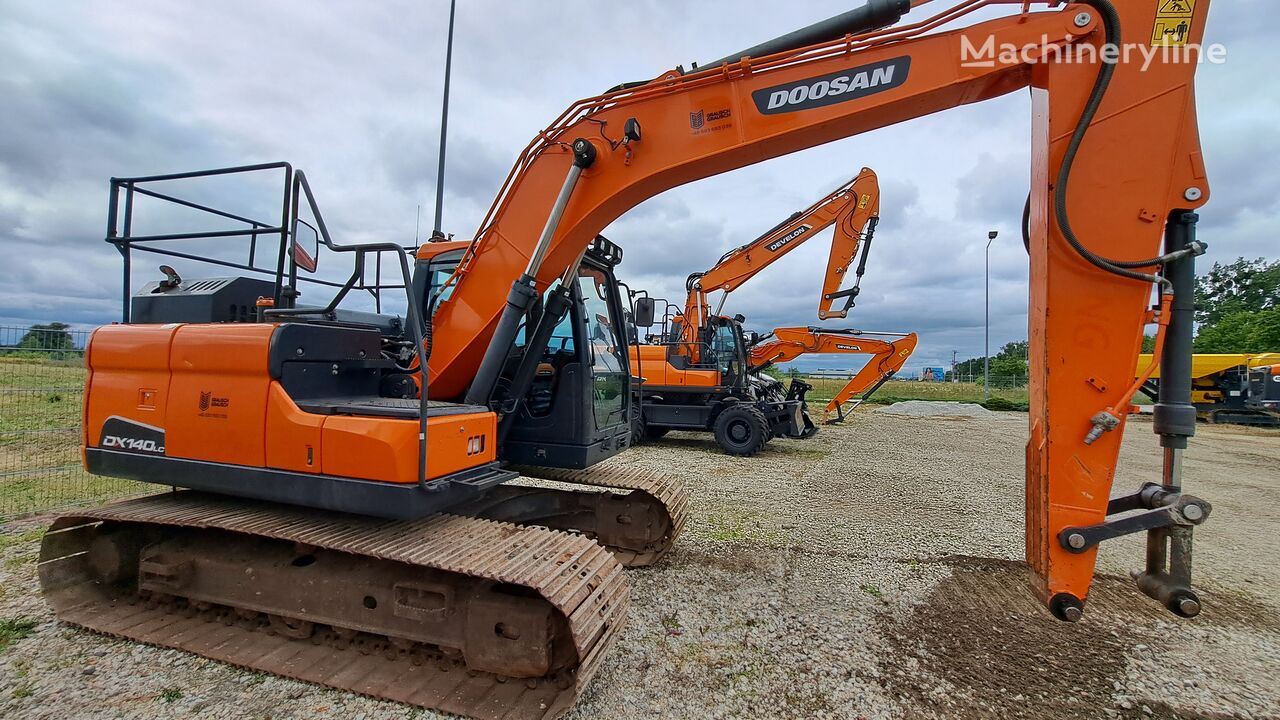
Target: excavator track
[(638, 526), (459, 614)]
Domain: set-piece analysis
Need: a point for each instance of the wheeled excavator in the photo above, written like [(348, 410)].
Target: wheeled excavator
[(889, 352), (333, 457), (697, 374)]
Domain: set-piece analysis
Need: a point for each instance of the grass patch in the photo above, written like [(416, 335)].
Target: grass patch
[(873, 591), (30, 536), (45, 489), (894, 391), (22, 560), (671, 624), (23, 691), (14, 629), (727, 525), (999, 403), (169, 695)]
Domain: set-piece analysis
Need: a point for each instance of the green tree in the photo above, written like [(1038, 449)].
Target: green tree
[(1010, 362), (1242, 332), (1007, 370), (53, 336), (1240, 286), (775, 372), (1017, 349)]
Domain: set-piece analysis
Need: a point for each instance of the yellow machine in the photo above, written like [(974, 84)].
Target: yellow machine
[(1220, 387)]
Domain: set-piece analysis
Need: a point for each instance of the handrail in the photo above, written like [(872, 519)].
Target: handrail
[(125, 241), (419, 332), (295, 189)]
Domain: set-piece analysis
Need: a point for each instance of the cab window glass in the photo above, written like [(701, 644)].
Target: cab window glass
[(609, 379)]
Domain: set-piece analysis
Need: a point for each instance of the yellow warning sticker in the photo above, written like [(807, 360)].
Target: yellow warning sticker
[(1173, 22), (862, 202)]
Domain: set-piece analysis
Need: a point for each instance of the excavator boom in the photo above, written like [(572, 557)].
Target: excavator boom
[(853, 206), (887, 358), (1116, 163)]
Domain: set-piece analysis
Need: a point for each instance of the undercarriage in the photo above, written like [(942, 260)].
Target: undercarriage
[(499, 609)]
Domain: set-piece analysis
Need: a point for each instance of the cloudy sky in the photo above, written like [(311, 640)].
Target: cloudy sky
[(350, 92)]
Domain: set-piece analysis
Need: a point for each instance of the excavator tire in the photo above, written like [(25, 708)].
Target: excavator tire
[(457, 614), (741, 429), (639, 432)]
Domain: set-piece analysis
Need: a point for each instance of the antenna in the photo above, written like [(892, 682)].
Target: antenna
[(417, 225), (444, 124)]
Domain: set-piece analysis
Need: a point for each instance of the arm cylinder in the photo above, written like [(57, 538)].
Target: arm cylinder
[(874, 15), (524, 290)]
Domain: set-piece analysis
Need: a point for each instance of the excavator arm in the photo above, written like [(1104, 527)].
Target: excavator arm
[(853, 206), (1116, 176), (887, 357)]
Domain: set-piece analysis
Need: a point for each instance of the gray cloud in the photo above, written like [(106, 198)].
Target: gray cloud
[(349, 91)]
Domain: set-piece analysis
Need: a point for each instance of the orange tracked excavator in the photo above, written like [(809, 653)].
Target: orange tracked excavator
[(343, 522), (887, 358), (696, 373)]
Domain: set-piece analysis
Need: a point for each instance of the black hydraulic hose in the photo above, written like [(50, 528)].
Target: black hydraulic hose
[(692, 280), (1111, 27), (1026, 225)]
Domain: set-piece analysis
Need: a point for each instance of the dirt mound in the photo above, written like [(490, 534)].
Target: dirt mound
[(930, 408)]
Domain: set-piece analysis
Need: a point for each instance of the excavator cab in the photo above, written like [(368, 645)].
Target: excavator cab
[(727, 349), (576, 410), (573, 410)]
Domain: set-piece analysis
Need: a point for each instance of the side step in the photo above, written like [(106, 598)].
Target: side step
[(457, 614)]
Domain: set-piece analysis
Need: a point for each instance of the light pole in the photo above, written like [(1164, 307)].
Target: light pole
[(986, 340)]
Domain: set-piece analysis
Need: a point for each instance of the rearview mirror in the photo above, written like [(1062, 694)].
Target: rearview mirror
[(644, 312), (306, 250)]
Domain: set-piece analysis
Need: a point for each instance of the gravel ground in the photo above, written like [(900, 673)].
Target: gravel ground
[(934, 408), (872, 572)]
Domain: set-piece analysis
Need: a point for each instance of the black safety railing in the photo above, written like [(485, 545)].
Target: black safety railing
[(273, 246)]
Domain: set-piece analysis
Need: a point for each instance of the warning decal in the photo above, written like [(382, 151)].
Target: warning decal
[(1173, 22)]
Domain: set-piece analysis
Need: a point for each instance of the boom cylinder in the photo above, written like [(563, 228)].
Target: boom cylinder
[(524, 290), (872, 16)]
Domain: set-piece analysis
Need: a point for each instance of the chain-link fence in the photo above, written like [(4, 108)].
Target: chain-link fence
[(41, 390)]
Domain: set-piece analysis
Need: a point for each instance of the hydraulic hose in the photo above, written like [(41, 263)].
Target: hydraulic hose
[(1111, 28)]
